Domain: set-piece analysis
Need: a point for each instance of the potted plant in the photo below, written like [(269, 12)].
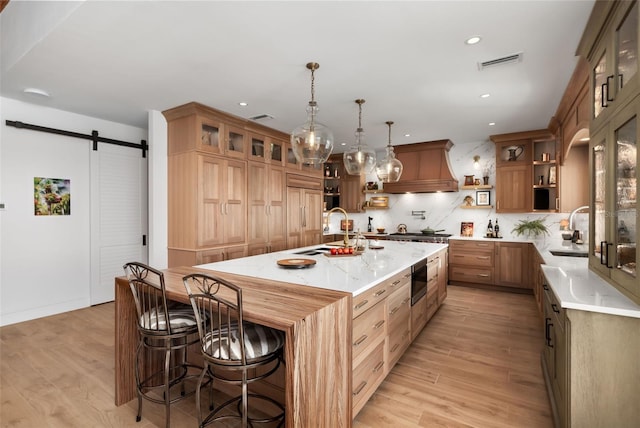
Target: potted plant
[(531, 228)]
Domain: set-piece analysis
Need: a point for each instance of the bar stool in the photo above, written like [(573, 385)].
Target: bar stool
[(164, 327), (235, 351)]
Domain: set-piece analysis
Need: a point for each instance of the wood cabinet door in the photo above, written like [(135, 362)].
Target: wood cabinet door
[(257, 202), (235, 209), (294, 217), (211, 200), (443, 275), (512, 264), (276, 209), (351, 196), (312, 221), (513, 189)]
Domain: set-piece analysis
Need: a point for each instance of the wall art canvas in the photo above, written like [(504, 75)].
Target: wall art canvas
[(52, 196), (466, 229)]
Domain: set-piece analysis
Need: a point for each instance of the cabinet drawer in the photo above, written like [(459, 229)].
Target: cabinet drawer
[(471, 259), (366, 376), (558, 311), (398, 280), (369, 298), (479, 275), (368, 328), (432, 305), (398, 341), (418, 316), (455, 245), (399, 305)]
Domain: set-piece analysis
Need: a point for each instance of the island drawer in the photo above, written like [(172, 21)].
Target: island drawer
[(370, 298), (368, 328), (432, 303), (467, 259), (398, 341), (399, 305), (465, 274), (398, 280), (367, 376)]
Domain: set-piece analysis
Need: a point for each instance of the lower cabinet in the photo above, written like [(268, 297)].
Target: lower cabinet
[(590, 365), (486, 262), (193, 258)]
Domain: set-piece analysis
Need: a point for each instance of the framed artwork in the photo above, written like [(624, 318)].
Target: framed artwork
[(552, 175), (51, 196), (466, 229), (483, 198)]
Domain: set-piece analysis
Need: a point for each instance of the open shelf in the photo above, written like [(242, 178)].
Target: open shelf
[(478, 187), (476, 207)]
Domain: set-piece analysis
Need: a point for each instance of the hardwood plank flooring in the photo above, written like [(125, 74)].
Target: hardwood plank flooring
[(476, 364)]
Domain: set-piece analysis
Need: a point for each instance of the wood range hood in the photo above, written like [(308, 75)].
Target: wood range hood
[(426, 168)]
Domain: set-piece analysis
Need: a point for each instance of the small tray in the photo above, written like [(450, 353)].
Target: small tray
[(355, 253), (296, 263), (376, 247)]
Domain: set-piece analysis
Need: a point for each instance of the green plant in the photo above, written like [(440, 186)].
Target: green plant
[(531, 227)]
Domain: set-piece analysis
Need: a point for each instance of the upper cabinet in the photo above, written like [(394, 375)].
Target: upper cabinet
[(527, 169), (610, 44)]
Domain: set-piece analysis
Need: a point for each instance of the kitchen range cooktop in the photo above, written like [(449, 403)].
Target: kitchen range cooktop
[(436, 235)]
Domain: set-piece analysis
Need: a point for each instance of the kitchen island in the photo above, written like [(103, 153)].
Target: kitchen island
[(313, 306)]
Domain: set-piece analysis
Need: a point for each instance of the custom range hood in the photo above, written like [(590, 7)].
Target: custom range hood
[(426, 168)]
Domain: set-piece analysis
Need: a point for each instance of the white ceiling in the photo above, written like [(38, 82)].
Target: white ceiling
[(407, 59)]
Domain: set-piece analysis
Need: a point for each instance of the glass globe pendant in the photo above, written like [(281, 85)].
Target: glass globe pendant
[(359, 159), (312, 142), (389, 169)]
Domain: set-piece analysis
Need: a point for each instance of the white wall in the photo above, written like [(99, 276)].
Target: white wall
[(45, 260)]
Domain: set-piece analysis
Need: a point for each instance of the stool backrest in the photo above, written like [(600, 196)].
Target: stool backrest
[(217, 304), (147, 286)]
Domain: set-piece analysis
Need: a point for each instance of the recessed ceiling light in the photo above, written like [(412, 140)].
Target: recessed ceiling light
[(243, 104), (36, 91), (473, 40), (407, 135), (485, 95), (492, 123), (343, 144)]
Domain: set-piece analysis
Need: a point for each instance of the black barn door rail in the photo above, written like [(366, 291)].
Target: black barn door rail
[(93, 136)]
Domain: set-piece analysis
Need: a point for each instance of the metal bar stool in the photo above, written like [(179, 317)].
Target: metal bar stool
[(164, 327), (235, 351)]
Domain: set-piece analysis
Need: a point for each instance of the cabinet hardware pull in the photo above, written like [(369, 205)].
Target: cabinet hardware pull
[(546, 330), (603, 100), (359, 388), (304, 216), (378, 366), (394, 310), (608, 86), (360, 340), (621, 82), (555, 308), (482, 257), (407, 275), (405, 301), (394, 348), (482, 245), (378, 324), (361, 304), (557, 204), (545, 286), (380, 293), (609, 244), (395, 283), (483, 275)]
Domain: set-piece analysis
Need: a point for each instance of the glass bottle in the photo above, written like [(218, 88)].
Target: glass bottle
[(490, 229), (496, 230)]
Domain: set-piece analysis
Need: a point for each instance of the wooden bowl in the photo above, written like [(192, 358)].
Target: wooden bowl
[(380, 229)]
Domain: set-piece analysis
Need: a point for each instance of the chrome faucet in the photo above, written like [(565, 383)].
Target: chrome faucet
[(573, 214), (346, 221)]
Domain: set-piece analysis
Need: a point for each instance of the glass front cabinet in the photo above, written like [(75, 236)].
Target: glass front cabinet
[(614, 189)]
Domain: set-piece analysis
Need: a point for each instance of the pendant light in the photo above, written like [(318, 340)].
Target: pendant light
[(312, 142), (360, 159), (389, 169)]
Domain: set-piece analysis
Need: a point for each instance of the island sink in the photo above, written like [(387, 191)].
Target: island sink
[(566, 253)]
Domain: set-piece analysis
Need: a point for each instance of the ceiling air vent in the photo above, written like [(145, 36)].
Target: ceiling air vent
[(509, 59), (264, 116)]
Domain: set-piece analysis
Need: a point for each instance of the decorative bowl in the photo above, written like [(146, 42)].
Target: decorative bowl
[(380, 229)]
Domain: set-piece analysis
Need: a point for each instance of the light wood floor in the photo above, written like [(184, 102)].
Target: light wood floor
[(475, 365)]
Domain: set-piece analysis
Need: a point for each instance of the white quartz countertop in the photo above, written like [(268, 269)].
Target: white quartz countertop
[(570, 279), (349, 274)]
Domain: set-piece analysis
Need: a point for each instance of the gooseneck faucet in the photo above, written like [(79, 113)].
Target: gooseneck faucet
[(573, 214), (346, 221)]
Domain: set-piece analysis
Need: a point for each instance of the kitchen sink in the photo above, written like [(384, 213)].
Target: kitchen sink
[(565, 253), (314, 251)]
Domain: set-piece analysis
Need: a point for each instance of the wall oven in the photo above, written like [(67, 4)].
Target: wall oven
[(418, 281)]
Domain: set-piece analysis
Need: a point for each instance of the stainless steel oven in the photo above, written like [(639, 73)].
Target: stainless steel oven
[(418, 281)]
